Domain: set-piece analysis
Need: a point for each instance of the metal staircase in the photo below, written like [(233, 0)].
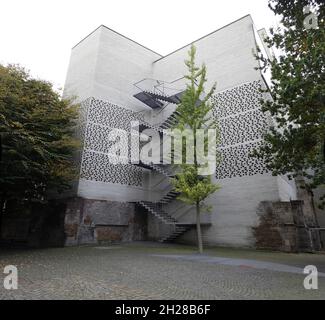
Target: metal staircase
[(170, 121), (170, 196), (157, 209), (157, 94), (156, 100), (179, 230)]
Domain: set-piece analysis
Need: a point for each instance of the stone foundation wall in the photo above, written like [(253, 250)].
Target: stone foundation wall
[(96, 221), (36, 225), (284, 226)]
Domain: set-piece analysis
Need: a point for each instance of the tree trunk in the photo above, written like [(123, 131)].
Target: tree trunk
[(198, 229)]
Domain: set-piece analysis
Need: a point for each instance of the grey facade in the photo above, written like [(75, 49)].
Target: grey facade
[(103, 70)]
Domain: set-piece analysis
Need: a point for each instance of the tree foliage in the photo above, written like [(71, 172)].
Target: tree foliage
[(37, 143), (195, 113), (193, 187), (296, 144)]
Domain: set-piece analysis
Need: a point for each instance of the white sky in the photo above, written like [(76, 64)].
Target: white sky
[(39, 34)]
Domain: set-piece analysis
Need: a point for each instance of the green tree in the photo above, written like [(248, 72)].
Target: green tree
[(194, 114), (296, 144), (37, 143)]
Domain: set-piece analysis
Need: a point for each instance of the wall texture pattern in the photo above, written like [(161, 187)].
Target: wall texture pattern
[(99, 118), (237, 162), (97, 166), (239, 99), (242, 126)]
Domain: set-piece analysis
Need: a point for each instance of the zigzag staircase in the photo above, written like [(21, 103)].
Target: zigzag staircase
[(157, 99), (157, 209)]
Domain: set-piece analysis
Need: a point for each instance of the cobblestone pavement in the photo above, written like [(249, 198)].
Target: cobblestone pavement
[(149, 271)]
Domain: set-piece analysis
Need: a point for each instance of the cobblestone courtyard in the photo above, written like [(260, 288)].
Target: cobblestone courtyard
[(152, 271)]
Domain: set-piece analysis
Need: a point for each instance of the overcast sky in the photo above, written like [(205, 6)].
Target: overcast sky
[(39, 34)]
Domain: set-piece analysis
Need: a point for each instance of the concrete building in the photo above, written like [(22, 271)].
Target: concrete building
[(117, 81)]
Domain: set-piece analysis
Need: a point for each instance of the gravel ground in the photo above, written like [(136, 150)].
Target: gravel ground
[(154, 271)]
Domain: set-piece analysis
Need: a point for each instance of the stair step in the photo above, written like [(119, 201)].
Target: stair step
[(156, 210), (171, 120), (162, 97)]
